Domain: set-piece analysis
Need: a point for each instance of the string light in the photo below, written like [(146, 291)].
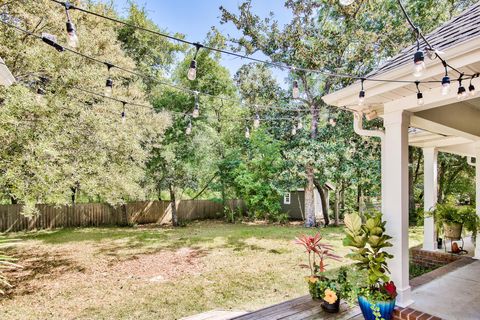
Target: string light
[(247, 133), (109, 82), (72, 38), (270, 63), (256, 121), (420, 100), (294, 130), (361, 95), (300, 125), (188, 131), (196, 108), (461, 93), (471, 87), (445, 81), (419, 66), (332, 122), (192, 71), (124, 115), (295, 90)]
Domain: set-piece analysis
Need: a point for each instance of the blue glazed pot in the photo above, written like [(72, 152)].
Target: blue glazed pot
[(385, 308)]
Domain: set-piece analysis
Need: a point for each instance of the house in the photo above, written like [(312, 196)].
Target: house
[(437, 122), (6, 77), (293, 203)]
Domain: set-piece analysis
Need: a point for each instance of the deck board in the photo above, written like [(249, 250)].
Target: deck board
[(298, 309)]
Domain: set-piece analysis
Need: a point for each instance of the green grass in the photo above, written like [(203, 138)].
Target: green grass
[(105, 273)]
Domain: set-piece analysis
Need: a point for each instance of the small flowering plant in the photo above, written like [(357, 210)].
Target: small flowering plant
[(321, 287)]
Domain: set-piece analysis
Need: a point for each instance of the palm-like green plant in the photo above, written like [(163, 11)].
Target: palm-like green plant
[(6, 263), (369, 241)]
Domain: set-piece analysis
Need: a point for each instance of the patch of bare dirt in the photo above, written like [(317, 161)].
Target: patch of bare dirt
[(162, 266)]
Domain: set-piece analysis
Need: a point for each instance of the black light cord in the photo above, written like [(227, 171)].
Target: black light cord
[(430, 47), (270, 63)]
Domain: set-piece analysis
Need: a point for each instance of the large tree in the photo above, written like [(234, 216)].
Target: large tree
[(324, 35), (63, 143)]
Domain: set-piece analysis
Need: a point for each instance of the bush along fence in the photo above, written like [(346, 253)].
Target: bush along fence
[(100, 214)]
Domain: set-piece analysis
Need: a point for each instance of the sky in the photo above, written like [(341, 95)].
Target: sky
[(194, 19)]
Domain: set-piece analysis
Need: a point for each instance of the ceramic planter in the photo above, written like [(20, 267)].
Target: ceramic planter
[(452, 231), (384, 307)]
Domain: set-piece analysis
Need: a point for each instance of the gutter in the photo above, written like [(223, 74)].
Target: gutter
[(358, 128)]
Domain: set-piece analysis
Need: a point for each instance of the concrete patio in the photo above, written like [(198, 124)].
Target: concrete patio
[(454, 294)]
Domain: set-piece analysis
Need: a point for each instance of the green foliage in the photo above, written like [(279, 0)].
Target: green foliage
[(65, 142), (257, 177), (451, 213), (369, 241)]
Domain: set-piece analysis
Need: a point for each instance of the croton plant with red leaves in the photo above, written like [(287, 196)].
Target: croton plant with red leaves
[(317, 252)]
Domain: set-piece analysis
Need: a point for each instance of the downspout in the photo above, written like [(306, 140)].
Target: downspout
[(470, 161), (358, 128)]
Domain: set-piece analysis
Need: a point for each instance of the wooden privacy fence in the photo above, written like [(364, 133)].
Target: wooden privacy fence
[(100, 214)]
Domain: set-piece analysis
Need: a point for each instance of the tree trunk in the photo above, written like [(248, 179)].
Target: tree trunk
[(13, 200), (310, 199), (336, 208), (74, 194), (174, 206), (359, 198), (323, 199)]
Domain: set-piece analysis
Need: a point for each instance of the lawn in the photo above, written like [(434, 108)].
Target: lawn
[(159, 273)]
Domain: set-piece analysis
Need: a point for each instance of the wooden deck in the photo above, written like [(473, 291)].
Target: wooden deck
[(301, 308)]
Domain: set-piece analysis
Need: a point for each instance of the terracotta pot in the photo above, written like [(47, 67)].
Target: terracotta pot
[(452, 230)]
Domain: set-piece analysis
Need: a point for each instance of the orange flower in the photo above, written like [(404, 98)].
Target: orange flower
[(330, 296)]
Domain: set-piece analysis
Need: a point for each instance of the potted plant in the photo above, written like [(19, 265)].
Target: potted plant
[(452, 219), (321, 287), (377, 299)]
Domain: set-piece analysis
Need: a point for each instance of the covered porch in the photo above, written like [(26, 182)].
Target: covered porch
[(434, 121)]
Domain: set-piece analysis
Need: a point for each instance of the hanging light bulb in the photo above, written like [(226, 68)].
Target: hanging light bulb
[(445, 86), (420, 100), (300, 125), (295, 90), (188, 131), (109, 87), (461, 93), (124, 115), (72, 38), (109, 82), (471, 87), (192, 71), (361, 95), (196, 108), (294, 130), (419, 66), (247, 133), (256, 121), (346, 2)]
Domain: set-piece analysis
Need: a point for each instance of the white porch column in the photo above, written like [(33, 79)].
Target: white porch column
[(430, 196), (477, 196), (395, 200)]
